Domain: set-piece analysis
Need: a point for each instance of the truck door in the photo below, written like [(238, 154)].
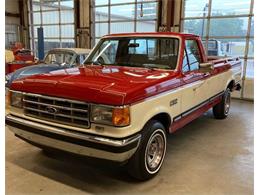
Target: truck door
[(195, 88)]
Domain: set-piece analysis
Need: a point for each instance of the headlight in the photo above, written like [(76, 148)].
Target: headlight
[(117, 116), (16, 99)]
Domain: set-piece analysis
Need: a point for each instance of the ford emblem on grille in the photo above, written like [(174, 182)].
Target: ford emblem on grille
[(51, 110)]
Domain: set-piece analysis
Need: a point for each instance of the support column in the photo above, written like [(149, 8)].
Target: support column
[(40, 43), (82, 20), (170, 15)]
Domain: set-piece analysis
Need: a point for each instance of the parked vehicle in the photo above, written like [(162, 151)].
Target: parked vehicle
[(21, 58), (217, 48), (122, 106), (24, 55), (55, 59), (18, 58)]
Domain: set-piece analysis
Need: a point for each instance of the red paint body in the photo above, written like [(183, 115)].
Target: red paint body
[(118, 85), (23, 55)]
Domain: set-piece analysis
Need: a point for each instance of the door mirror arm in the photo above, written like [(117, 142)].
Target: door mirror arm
[(206, 67)]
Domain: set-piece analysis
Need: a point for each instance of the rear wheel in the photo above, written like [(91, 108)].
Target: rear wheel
[(149, 157), (221, 110)]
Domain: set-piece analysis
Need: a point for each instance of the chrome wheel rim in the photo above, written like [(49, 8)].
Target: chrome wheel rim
[(155, 151), (227, 103)]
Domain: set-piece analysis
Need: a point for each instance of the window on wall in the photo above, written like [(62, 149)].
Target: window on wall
[(12, 35), (120, 16), (57, 20), (226, 28)]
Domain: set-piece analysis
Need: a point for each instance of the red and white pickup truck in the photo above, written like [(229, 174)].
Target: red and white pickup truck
[(132, 91)]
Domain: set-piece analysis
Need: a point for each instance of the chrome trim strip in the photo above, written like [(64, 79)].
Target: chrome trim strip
[(54, 98), (34, 102), (56, 114), (20, 114), (56, 106), (92, 138), (217, 95), (177, 118), (16, 91), (197, 107), (73, 148)]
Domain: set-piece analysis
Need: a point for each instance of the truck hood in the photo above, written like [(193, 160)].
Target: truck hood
[(113, 85)]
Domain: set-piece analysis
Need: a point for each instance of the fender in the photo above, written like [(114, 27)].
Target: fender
[(145, 112), (155, 113)]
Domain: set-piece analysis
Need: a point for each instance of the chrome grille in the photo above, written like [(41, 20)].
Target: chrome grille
[(64, 111)]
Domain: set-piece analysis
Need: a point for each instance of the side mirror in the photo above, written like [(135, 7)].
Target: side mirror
[(206, 67)]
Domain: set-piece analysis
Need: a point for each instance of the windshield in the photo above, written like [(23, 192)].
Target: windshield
[(146, 52), (59, 58)]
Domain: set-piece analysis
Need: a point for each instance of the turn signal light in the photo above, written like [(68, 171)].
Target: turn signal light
[(121, 116)]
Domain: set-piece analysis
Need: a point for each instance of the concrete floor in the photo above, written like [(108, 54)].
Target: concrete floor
[(207, 156)]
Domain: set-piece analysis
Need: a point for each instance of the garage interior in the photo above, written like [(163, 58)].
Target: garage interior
[(207, 156)]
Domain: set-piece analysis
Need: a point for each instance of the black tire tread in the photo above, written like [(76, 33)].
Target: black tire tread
[(136, 165), (219, 109)]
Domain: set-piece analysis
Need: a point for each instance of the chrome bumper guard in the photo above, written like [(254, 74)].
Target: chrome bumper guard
[(119, 150)]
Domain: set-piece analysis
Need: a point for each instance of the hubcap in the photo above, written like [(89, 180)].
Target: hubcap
[(227, 103), (155, 151)]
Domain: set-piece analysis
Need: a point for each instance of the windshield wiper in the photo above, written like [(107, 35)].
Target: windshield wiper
[(148, 67)]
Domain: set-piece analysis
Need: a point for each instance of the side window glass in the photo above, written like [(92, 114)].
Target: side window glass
[(193, 54), (185, 63), (81, 58), (68, 58)]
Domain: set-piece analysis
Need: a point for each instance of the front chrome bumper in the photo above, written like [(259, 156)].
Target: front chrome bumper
[(72, 141)]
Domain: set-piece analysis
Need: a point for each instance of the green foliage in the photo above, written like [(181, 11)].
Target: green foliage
[(218, 27), (224, 27)]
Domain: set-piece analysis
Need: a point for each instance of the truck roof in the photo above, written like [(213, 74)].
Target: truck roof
[(151, 34)]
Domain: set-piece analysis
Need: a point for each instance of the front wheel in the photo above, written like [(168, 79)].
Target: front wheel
[(150, 154), (221, 110)]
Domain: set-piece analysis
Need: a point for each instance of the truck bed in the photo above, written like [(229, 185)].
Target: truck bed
[(234, 62)]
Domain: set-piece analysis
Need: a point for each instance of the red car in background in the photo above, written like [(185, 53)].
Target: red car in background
[(18, 57)]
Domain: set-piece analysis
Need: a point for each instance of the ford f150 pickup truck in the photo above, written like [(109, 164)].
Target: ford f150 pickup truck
[(132, 91)]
